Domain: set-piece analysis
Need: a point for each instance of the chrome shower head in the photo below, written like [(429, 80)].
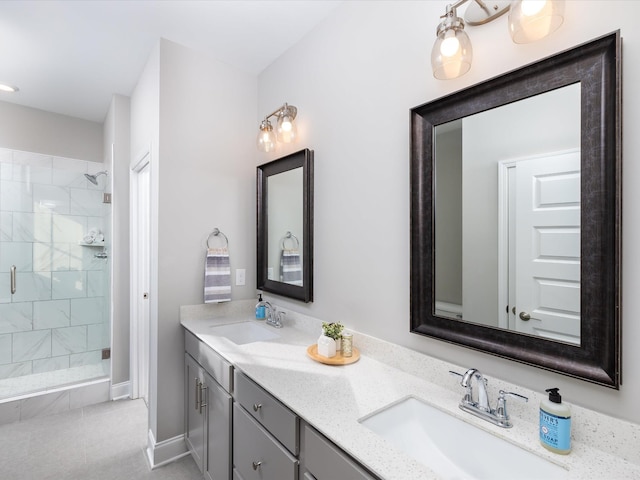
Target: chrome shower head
[(94, 178)]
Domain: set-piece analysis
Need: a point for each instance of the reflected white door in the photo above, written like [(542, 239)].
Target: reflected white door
[(140, 277), (547, 250)]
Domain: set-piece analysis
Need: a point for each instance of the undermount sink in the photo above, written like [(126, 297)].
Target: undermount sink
[(244, 332), (453, 448)]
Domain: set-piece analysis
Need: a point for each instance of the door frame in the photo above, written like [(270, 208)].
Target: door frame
[(506, 231), (140, 277)]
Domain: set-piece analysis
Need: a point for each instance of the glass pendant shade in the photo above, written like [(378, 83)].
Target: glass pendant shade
[(286, 129), (452, 54), (531, 20), (266, 137), (285, 132)]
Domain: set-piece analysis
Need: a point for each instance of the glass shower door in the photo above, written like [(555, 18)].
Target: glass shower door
[(54, 278)]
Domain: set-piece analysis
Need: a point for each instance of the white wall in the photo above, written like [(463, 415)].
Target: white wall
[(354, 79), (203, 173), (285, 200), (448, 205), (33, 130)]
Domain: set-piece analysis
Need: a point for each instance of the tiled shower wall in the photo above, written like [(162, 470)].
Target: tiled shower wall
[(58, 317)]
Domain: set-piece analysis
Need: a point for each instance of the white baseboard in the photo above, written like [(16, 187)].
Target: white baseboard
[(167, 451), (120, 391)]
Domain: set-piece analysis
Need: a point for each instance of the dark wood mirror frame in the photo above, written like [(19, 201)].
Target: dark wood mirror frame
[(304, 159), (597, 66)]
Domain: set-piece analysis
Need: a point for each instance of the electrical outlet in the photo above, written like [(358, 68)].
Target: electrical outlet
[(270, 273), (240, 276)]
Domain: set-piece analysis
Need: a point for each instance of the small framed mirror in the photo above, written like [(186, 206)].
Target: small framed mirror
[(285, 226)]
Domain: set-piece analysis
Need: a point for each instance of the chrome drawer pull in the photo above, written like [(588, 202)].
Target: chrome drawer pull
[(256, 465), (257, 406), (197, 393), (202, 404)]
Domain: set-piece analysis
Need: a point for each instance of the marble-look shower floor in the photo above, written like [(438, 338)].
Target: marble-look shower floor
[(40, 382)]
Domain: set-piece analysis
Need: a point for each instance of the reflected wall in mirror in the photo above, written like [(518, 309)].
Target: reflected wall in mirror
[(515, 214), (527, 175), (285, 226), (285, 244)]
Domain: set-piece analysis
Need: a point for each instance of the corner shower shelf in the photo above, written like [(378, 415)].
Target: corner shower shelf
[(94, 244)]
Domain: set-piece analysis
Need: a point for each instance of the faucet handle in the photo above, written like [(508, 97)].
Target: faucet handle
[(501, 407), (468, 396)]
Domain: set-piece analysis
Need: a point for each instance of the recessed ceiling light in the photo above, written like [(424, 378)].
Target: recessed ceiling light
[(8, 88)]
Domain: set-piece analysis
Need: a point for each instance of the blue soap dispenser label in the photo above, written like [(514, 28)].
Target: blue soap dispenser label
[(555, 431)]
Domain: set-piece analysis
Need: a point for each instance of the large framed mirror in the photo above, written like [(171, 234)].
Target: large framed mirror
[(516, 214), (285, 226)]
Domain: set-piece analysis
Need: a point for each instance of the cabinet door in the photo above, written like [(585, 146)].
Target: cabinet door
[(218, 453), (256, 454), (194, 415)]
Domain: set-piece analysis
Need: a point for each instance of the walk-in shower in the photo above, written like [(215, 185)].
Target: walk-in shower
[(54, 285)]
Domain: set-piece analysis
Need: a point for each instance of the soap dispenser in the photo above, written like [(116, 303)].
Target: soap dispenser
[(260, 308), (555, 423)]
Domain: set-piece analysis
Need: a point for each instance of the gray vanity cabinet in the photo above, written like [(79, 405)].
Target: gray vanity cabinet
[(320, 459), (268, 411), (265, 434), (218, 447), (208, 407), (194, 416), (257, 455), (270, 442)]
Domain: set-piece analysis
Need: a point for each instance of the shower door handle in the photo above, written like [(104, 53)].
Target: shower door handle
[(13, 279)]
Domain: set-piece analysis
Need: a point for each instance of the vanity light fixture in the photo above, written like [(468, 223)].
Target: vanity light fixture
[(286, 131), (529, 20)]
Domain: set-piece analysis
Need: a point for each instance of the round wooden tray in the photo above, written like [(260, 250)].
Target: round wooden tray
[(312, 351)]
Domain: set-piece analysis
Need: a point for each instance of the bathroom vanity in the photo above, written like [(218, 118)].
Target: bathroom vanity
[(251, 435), (294, 418)]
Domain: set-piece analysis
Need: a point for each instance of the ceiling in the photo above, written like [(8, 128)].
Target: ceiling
[(71, 56)]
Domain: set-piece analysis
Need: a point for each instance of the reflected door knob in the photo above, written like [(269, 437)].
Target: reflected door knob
[(525, 316)]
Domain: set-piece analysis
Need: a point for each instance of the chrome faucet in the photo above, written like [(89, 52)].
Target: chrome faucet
[(268, 311), (480, 407), (273, 315), (483, 398)]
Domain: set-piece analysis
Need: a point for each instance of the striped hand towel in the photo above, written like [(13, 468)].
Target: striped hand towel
[(217, 276), (290, 267)]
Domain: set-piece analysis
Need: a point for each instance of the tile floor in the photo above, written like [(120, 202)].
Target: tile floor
[(100, 442)]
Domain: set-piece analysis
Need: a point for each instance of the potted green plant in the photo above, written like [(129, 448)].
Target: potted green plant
[(333, 330)]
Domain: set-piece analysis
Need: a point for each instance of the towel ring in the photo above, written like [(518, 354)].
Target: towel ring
[(215, 233), (290, 235)]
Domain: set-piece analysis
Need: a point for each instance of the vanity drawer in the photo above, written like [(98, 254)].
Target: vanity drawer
[(256, 454), (275, 417), (322, 460), (218, 367)]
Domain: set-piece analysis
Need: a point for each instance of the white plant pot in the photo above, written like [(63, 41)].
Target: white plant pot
[(326, 347)]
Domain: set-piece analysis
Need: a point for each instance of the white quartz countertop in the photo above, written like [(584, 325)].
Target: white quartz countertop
[(333, 398)]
